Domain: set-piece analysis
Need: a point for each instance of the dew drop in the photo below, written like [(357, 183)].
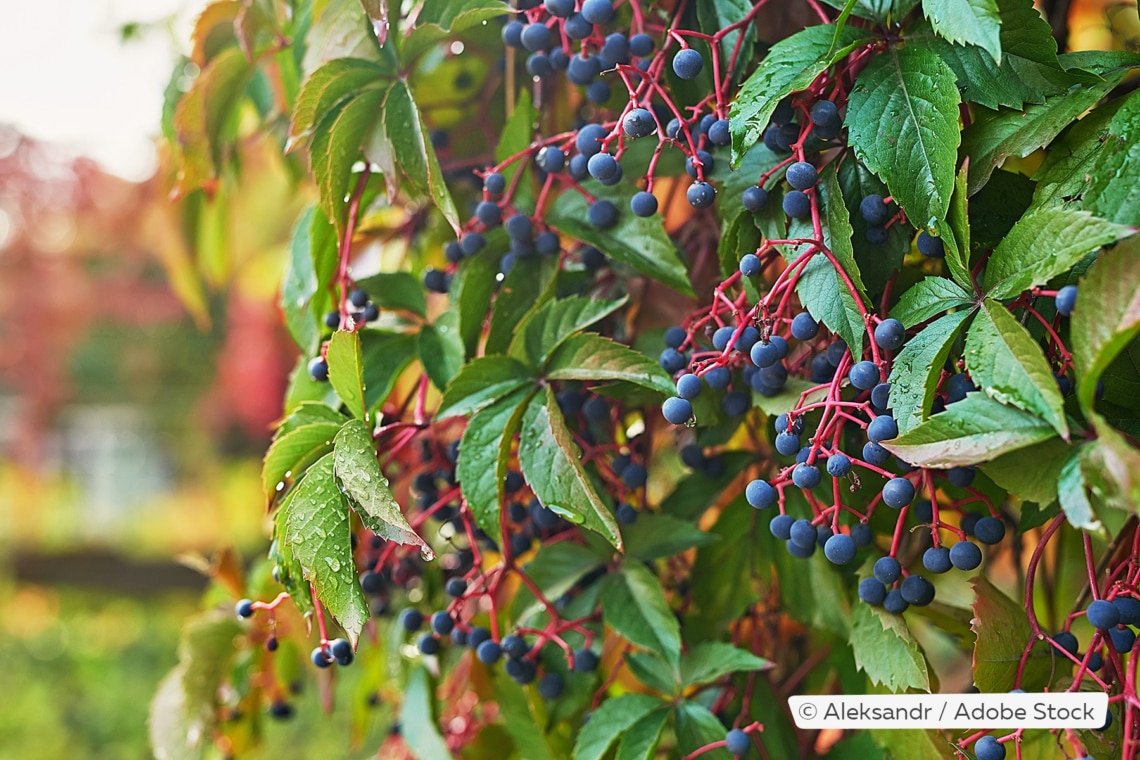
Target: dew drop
[(426, 554), (333, 563)]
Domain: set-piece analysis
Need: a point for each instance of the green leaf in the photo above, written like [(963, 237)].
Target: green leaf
[(1067, 171), (998, 207), (355, 464), (724, 573), (914, 744), (1001, 629), (639, 242), (315, 528), (697, 727), (481, 383), (592, 357), (1032, 472), (346, 371), (916, 369), (528, 285), (385, 356), (1045, 243), (290, 454), (711, 660), (408, 136), (640, 740), (995, 136), (327, 88), (903, 121), (554, 569), (791, 65), (927, 298), (554, 322), (299, 286), (652, 671), (955, 231), (550, 463), (839, 231), (790, 395), (441, 349), (397, 291), (886, 651), (420, 729), (656, 535), (520, 722), (973, 22), (633, 604), (1009, 365), (1107, 315), (975, 429), (696, 492), (1114, 192), (307, 413), (609, 722), (877, 264), (1110, 467), (336, 146), (474, 286), (441, 19), (1072, 493), (484, 451), (341, 30)]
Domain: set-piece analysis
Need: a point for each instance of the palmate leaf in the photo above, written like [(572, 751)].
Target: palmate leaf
[(1115, 189), (610, 721), (903, 121), (441, 19), (927, 298), (886, 651), (346, 371), (592, 357), (554, 322), (1107, 315), (1002, 630), (290, 454), (481, 383), (974, 22), (299, 286), (634, 605), (1072, 493), (916, 368)]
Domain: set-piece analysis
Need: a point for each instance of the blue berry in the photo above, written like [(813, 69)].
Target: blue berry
[(489, 214), (864, 375), (737, 743), (839, 549), (887, 570), (639, 123), (585, 661), (754, 199), (722, 336), (802, 532), (615, 50), (455, 587), (961, 477), (875, 454), (321, 658), (643, 204), (764, 354), (244, 608), (677, 411), (787, 443), (700, 194), (917, 590), (806, 476), (876, 235), (989, 530), (965, 555), (1103, 615), (411, 620), (862, 534), (512, 34), (781, 526), (890, 334), (898, 492), (318, 369), (536, 37), (1128, 609), (489, 652), (588, 140), (688, 386), (1065, 300), (341, 651), (672, 360), (760, 494), (597, 11), (736, 403), (825, 114), (688, 63), (936, 559), (880, 396), (804, 327), (835, 353), (872, 592), (641, 45), (797, 205), (602, 166), (894, 602), (602, 214), (930, 246), (635, 475), (550, 687), (801, 175), (750, 265), (550, 159), (675, 337), (882, 428), (719, 133), (494, 183), (874, 211), (1122, 639), (472, 243), (559, 8), (988, 748), (838, 465)]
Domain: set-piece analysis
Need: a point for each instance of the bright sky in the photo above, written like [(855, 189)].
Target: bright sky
[(65, 76)]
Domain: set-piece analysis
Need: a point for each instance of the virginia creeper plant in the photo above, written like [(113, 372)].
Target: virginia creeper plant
[(717, 352)]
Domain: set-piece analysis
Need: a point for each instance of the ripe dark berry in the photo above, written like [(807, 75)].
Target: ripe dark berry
[(602, 166), (437, 281), (894, 602), (472, 243), (750, 265), (626, 514), (930, 246), (872, 591), (838, 465), (887, 570), (688, 386), (719, 133), (550, 159), (880, 396), (332, 320), (512, 34), (488, 652), (989, 530), (371, 313), (675, 337), (801, 175), (411, 620), (718, 378), (672, 360), (597, 11), (754, 198), (676, 410), (643, 203), (494, 183), (281, 710), (760, 494), (875, 454), (442, 623), (1065, 300), (641, 45), (936, 559), (965, 555), (864, 375), (536, 37), (839, 549), (874, 211), (701, 194), (688, 63), (961, 476), (764, 354), (825, 114), (358, 298), (802, 532), (890, 334), (639, 123), (722, 336), (550, 687), (589, 137), (1122, 639), (737, 742), (917, 590), (477, 636), (585, 661), (341, 651), (800, 551), (321, 658), (988, 748), (271, 644), (244, 608), (318, 369), (514, 645), (804, 327), (428, 644), (1128, 609), (787, 444), (455, 587), (797, 205), (882, 428), (559, 8), (781, 526), (602, 214), (635, 476), (806, 476), (1103, 615), (897, 493)]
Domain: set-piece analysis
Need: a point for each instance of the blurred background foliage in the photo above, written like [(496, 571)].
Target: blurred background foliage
[(142, 363)]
